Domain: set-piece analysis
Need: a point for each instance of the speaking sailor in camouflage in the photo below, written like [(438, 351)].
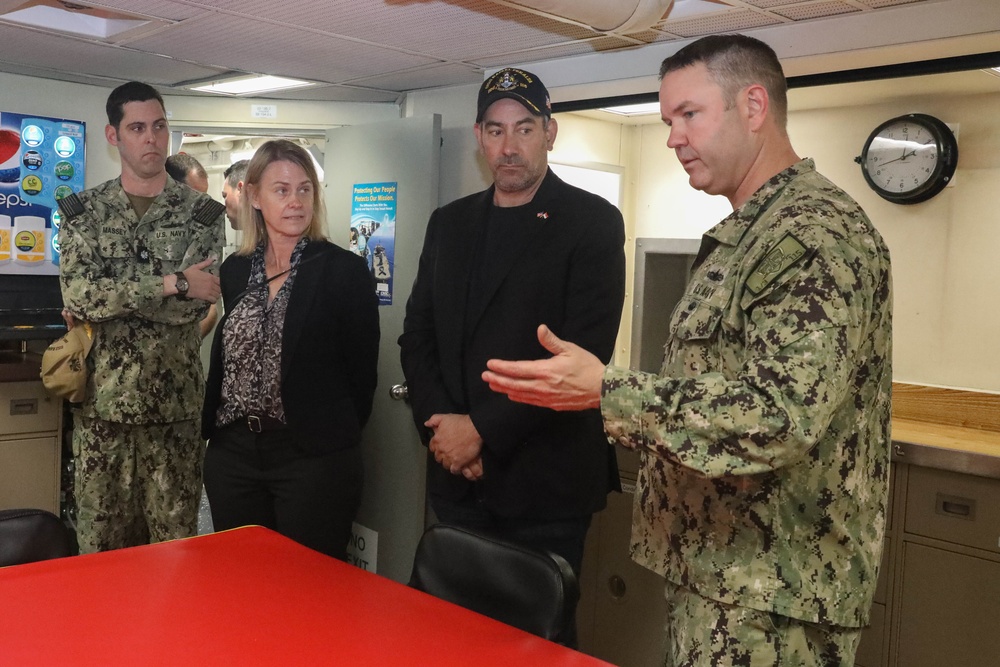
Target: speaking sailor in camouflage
[(137, 261), (764, 439)]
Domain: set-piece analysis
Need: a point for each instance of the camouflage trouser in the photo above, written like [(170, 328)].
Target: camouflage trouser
[(706, 633), (135, 483)]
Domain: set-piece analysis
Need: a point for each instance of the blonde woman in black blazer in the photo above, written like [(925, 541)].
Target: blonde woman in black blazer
[(293, 366)]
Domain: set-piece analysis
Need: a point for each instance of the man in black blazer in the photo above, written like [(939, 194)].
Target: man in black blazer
[(494, 266)]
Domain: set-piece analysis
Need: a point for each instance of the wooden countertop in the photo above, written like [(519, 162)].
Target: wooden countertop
[(970, 451), (945, 436), (950, 429)]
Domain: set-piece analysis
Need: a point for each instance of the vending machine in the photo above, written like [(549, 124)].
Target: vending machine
[(42, 160)]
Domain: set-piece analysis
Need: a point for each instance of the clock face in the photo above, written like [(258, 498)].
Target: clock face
[(910, 158), (902, 157)]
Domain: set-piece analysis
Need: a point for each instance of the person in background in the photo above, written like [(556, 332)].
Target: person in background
[(762, 494), (293, 366), (186, 169), (137, 262), (494, 265), (231, 189)]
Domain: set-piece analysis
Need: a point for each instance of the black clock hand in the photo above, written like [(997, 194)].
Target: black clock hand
[(902, 157)]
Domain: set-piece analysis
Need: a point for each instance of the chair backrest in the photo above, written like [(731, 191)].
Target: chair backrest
[(29, 535), (535, 591)]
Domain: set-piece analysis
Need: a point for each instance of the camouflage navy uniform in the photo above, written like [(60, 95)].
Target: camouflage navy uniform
[(765, 437), (136, 436)]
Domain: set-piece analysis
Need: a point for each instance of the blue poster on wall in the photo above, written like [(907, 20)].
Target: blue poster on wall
[(373, 232), (41, 161)]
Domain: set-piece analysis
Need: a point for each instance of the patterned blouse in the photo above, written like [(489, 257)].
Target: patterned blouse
[(251, 346)]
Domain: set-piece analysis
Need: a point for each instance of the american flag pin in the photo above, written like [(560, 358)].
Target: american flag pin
[(543, 215)]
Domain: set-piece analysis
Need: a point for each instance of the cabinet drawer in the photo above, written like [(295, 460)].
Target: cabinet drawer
[(29, 473), (955, 507), (25, 407), (949, 609)]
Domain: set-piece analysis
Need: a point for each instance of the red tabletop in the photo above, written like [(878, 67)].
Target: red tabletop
[(243, 597)]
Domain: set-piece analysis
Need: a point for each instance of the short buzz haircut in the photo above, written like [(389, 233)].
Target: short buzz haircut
[(735, 62), (235, 173), (182, 164), (133, 91)]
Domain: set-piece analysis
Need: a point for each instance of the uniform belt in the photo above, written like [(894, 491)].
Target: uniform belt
[(262, 423)]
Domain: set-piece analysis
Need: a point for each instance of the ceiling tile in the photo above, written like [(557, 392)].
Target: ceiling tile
[(162, 9), (433, 77), (711, 24), (376, 48), (334, 94), (815, 10), (581, 47), (56, 53), (280, 50)]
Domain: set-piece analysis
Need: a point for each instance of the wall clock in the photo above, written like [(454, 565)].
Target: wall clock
[(910, 158)]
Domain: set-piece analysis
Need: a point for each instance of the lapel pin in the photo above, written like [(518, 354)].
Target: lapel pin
[(543, 215)]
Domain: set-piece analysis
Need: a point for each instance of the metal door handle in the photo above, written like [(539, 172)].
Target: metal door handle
[(399, 392)]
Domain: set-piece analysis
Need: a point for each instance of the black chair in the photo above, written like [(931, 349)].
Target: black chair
[(29, 535), (535, 591)]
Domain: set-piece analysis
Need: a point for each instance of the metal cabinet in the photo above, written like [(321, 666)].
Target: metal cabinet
[(949, 609), (622, 610), (30, 427), (949, 595), (938, 596)]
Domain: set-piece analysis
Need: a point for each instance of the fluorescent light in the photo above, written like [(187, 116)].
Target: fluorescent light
[(644, 109), (247, 85), (74, 19)]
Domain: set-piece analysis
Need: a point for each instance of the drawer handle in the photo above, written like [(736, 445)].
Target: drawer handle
[(23, 406), (956, 507), (617, 587)]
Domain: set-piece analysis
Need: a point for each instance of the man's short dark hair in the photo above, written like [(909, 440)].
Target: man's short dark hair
[(236, 172), (735, 62), (133, 91), (182, 164)]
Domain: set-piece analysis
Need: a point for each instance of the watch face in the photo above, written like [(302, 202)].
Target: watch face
[(910, 158)]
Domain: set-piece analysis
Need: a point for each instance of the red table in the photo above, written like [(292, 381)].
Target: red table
[(243, 597)]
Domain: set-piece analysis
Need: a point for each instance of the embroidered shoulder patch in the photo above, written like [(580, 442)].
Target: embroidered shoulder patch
[(785, 253), (70, 206), (207, 211)]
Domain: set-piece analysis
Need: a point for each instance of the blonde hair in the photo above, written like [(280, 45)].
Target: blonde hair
[(250, 219)]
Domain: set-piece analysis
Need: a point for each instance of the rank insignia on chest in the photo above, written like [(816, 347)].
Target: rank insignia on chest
[(781, 256), (142, 253)]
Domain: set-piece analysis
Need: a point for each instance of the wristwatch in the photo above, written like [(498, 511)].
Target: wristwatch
[(182, 285)]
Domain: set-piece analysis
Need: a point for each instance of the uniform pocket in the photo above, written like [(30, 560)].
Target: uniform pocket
[(114, 246), (695, 320), (168, 247)]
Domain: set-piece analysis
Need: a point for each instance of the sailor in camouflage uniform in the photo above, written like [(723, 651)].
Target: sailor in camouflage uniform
[(765, 437), (137, 255)]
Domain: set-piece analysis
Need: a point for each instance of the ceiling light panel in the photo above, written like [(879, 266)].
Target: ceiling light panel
[(250, 85)]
